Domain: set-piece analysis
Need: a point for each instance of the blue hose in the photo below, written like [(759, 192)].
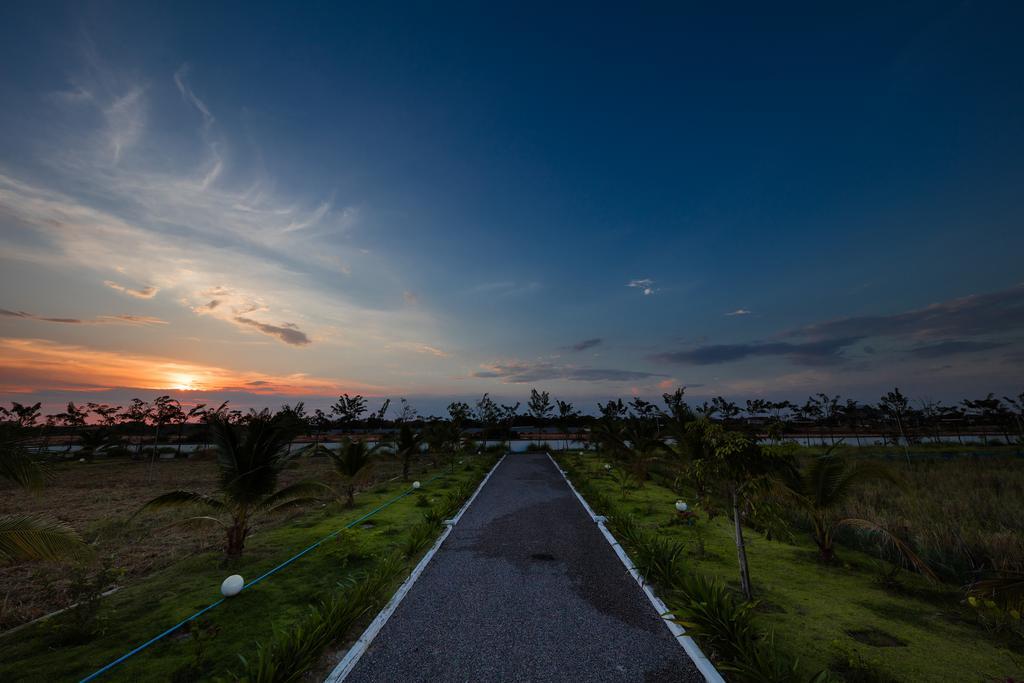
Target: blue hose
[(99, 672)]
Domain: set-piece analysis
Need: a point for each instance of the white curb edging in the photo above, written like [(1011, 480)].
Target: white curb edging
[(351, 658), (704, 665)]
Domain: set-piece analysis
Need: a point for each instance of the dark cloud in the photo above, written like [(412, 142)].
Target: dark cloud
[(951, 347), (968, 316), (824, 352), (586, 344), (939, 330), (519, 372), (289, 333)]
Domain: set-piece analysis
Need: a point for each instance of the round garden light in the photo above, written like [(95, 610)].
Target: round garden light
[(415, 484), (682, 506), (607, 466), (232, 586)]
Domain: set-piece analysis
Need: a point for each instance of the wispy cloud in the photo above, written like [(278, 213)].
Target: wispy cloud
[(516, 372), (419, 347), (122, 319), (506, 288), (180, 232), (645, 285), (147, 292), (739, 311)]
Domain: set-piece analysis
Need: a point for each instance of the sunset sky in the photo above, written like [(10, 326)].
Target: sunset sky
[(270, 204)]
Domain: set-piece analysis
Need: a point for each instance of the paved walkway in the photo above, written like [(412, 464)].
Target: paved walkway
[(525, 589)]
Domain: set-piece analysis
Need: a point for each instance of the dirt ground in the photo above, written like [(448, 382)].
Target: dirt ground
[(100, 501)]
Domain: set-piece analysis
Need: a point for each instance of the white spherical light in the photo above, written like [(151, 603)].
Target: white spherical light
[(682, 506), (232, 586), (415, 484), (607, 466)]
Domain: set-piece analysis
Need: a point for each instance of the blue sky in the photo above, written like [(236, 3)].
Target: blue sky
[(263, 201)]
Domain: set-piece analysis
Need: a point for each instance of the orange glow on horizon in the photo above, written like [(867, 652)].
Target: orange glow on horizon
[(29, 365)]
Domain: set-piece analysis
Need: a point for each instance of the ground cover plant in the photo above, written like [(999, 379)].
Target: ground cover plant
[(856, 618), (149, 604)]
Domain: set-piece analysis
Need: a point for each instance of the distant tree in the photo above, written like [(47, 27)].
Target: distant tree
[(509, 413), (459, 413), (26, 416), (353, 463), (196, 412), (74, 419), (407, 447), (540, 407), (406, 413), (612, 410), (106, 415), (641, 409), (137, 413), (896, 406), (567, 414), (348, 410), (726, 408), (677, 408), (487, 412), (1017, 411), (382, 412)]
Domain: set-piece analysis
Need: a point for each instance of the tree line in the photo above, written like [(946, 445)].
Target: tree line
[(824, 417)]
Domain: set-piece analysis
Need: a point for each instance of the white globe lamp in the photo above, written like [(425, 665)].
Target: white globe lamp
[(415, 484), (681, 506), (232, 586)]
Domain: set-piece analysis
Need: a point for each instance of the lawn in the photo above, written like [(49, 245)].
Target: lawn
[(150, 604), (844, 617)]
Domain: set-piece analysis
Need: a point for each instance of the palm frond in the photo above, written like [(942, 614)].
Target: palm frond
[(307, 489), (179, 498), (37, 537), (892, 540), (294, 503), (194, 521), (17, 466)]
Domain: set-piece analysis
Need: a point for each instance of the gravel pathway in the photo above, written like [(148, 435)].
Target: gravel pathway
[(525, 589)]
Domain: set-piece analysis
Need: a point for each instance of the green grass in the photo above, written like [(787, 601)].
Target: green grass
[(152, 604), (812, 608)]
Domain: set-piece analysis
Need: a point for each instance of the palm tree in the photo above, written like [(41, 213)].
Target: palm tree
[(250, 462), (637, 442), (407, 446), (352, 462), (822, 487), (31, 537)]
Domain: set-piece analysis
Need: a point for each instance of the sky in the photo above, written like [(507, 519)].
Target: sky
[(270, 203)]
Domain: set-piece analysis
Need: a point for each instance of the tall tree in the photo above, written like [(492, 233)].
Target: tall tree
[(743, 469), (540, 407)]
